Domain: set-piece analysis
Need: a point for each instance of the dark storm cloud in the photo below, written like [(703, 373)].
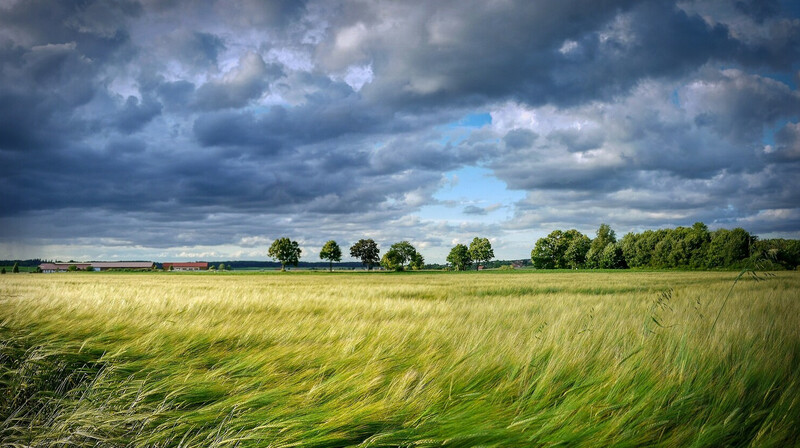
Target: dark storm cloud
[(136, 114), (42, 85), (175, 95), (203, 123), (759, 10), (738, 105), (519, 138), (42, 20), (238, 87), (332, 110), (661, 162), (536, 173), (557, 52), (579, 140), (194, 48), (717, 127), (126, 146), (787, 143), (404, 153)]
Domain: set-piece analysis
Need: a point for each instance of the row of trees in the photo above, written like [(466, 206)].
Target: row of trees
[(682, 247), (462, 257), (400, 256)]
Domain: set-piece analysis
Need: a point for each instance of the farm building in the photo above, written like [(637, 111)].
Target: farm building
[(61, 267), (98, 266), (196, 266), (128, 265)]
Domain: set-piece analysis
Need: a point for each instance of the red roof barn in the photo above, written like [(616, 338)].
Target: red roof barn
[(196, 266)]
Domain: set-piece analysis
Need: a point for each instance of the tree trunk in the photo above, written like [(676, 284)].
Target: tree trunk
[(331, 265)]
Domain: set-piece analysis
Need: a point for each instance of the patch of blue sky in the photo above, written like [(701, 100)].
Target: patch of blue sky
[(475, 120), (457, 131), (472, 187), (675, 98)]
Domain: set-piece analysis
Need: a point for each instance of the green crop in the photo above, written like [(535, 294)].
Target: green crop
[(371, 359)]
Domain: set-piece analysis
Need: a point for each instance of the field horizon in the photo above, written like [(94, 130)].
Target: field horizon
[(504, 358)]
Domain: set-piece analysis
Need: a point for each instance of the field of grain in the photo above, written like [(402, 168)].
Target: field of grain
[(416, 359)]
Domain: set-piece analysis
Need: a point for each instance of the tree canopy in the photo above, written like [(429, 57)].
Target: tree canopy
[(392, 261), (783, 252), (605, 236), (367, 251), (331, 252), (399, 254), (561, 250), (285, 251), (459, 257), (480, 249)]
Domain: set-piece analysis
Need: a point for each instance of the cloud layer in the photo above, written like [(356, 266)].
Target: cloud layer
[(204, 130)]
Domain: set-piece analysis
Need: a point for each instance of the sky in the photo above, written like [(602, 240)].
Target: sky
[(203, 130)]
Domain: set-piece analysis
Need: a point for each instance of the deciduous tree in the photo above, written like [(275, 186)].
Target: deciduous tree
[(331, 252), (575, 255), (405, 250), (286, 251), (399, 254), (392, 260), (605, 236), (480, 249), (367, 251), (459, 257)]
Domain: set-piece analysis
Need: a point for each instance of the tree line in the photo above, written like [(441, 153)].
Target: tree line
[(400, 256), (693, 247)]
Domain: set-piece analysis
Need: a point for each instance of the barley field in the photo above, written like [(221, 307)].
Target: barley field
[(417, 359)]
